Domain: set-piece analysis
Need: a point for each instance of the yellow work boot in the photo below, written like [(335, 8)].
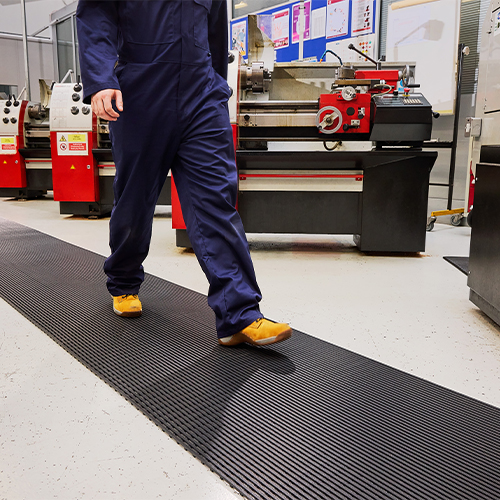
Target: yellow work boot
[(128, 306), (260, 332)]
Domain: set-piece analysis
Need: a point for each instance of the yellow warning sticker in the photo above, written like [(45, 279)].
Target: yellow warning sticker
[(69, 144), (8, 145), (77, 137), (73, 167)]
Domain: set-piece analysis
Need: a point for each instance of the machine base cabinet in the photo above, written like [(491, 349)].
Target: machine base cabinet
[(386, 212), (484, 262), (394, 204)]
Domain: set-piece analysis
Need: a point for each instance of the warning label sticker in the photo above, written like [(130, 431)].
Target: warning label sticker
[(8, 145), (72, 144)]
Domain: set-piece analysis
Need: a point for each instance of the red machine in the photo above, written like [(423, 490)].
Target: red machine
[(362, 106), (73, 136), (12, 165)]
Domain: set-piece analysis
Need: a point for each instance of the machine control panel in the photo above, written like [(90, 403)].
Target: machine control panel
[(10, 115), (397, 101), (409, 100), (67, 110), (401, 118)]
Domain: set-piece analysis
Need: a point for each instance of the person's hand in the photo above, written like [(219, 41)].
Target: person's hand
[(102, 107)]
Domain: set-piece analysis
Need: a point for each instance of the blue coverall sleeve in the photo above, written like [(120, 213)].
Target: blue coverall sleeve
[(218, 36), (97, 26)]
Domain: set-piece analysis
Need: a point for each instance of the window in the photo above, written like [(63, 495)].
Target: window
[(65, 48), (244, 7), (7, 90)]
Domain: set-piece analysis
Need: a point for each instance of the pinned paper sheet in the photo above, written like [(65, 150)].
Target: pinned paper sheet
[(337, 18), (281, 28), (318, 21)]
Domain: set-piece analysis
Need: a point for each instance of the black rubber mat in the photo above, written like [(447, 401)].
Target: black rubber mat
[(461, 263), (301, 420)]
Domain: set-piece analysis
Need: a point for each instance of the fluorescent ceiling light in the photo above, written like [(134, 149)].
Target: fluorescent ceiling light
[(241, 5)]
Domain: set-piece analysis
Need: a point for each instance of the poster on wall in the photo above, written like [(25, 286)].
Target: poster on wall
[(337, 18), (265, 24), (318, 23), (365, 44), (362, 17), (307, 21), (239, 37), (281, 29)]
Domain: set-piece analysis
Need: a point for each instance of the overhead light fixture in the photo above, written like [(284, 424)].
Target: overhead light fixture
[(241, 5)]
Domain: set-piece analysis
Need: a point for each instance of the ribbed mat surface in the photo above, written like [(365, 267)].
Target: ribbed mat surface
[(301, 420), (461, 263)]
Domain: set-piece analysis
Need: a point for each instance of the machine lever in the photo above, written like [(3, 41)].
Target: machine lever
[(352, 47), (346, 126), (435, 114)]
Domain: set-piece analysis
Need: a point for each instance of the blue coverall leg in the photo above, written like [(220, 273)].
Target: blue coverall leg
[(175, 117)]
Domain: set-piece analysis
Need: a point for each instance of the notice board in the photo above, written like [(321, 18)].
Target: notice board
[(329, 24), (427, 32)]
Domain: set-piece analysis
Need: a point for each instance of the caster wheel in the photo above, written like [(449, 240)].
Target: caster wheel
[(469, 218), (430, 224), (456, 220)]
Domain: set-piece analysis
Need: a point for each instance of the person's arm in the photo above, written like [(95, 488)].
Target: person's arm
[(97, 25), (218, 36)]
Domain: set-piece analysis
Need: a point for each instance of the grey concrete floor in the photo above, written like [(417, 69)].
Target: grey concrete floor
[(65, 434)]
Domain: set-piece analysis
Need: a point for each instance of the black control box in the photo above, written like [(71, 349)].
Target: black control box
[(401, 118)]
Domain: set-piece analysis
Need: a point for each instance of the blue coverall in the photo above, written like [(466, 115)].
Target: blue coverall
[(171, 67)]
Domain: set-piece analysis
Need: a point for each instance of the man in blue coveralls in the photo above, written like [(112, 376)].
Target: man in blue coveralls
[(157, 71)]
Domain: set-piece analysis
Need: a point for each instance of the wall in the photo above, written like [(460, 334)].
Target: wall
[(41, 62), (37, 15)]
